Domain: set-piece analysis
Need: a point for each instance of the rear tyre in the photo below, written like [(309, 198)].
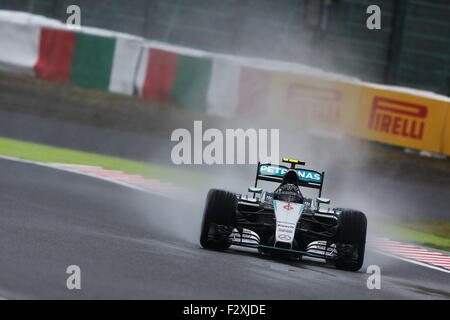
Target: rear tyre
[(351, 240), (219, 219)]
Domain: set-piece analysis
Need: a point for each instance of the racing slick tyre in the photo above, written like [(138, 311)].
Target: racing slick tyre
[(219, 219), (351, 239)]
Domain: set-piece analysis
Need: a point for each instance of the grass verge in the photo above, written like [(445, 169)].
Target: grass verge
[(43, 153), (434, 234)]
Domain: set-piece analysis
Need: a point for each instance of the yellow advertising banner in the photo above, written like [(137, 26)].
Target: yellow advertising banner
[(402, 119), (313, 101), (446, 142)]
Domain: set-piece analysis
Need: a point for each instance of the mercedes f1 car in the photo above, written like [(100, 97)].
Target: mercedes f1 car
[(284, 223)]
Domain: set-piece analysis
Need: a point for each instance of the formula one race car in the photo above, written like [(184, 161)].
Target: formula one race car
[(284, 223)]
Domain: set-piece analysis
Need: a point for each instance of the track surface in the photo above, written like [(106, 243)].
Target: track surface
[(84, 138), (131, 245), (393, 196)]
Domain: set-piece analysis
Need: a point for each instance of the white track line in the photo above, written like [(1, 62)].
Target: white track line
[(414, 261), (65, 167), (413, 254)]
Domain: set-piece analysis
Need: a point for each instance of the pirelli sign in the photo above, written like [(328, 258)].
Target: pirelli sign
[(402, 119), (314, 102), (398, 118)]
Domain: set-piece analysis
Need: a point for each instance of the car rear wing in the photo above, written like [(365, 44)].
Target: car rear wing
[(274, 173)]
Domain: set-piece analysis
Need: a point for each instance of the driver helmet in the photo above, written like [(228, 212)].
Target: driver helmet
[(289, 193), (291, 177), (288, 190)]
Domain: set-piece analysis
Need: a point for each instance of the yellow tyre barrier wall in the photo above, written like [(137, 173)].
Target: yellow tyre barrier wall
[(402, 119), (446, 147), (378, 113)]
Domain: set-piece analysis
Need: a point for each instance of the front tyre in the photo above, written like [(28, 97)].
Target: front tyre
[(351, 240), (219, 219)]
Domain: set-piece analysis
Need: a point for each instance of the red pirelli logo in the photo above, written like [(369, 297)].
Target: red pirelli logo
[(315, 103), (398, 118)]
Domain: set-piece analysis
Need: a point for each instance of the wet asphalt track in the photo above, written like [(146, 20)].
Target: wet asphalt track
[(126, 245), (392, 196)]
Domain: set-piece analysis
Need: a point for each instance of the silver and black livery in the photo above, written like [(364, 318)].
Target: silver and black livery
[(284, 223)]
